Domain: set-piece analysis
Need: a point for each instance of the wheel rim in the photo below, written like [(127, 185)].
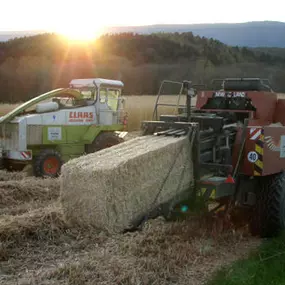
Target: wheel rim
[(51, 165)]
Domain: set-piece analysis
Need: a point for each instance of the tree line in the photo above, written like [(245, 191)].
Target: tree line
[(33, 65)]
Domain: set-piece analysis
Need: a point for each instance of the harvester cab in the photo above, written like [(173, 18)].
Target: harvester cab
[(239, 147), (64, 123)]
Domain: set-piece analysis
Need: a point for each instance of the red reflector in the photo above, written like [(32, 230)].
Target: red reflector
[(230, 180)]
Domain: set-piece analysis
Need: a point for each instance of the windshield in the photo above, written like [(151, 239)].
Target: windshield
[(63, 102), (67, 101), (88, 93)]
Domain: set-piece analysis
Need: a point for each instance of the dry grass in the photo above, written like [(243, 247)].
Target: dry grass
[(27, 206), (15, 176), (41, 223), (160, 254), (5, 108), (37, 246), (43, 251), (140, 108), (15, 192), (17, 197)]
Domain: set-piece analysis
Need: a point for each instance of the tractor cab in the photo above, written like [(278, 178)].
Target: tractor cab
[(97, 90), (104, 94)]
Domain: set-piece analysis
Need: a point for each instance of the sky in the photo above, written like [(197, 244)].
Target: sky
[(67, 15)]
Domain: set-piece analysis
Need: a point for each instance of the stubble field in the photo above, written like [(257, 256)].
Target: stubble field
[(37, 246)]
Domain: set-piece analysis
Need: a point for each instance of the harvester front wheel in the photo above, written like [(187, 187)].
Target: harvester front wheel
[(269, 214), (102, 141), (47, 163)]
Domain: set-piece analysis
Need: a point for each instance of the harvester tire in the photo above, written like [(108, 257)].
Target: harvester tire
[(268, 217), (47, 163), (102, 141)]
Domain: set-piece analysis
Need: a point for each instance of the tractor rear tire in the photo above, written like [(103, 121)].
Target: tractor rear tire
[(47, 164), (102, 141), (268, 218)]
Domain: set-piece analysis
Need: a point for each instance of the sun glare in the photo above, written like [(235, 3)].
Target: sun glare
[(80, 33)]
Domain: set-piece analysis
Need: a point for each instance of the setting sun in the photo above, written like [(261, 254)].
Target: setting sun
[(80, 32)]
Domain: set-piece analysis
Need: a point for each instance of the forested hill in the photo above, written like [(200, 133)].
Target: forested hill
[(33, 65), (250, 34)]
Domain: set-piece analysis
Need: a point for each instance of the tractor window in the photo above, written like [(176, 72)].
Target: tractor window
[(110, 96), (113, 96), (103, 95), (89, 95), (63, 103)]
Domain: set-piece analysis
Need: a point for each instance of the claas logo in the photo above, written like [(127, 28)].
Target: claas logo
[(81, 115)]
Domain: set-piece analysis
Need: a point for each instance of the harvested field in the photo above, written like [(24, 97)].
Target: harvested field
[(30, 189), (37, 246), (21, 195), (160, 254), (8, 176), (140, 108), (40, 224)]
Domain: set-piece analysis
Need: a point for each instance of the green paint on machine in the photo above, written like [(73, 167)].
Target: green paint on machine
[(55, 135), (93, 131), (69, 151), (70, 141)]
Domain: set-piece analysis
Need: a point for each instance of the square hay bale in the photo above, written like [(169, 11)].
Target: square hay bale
[(112, 188)]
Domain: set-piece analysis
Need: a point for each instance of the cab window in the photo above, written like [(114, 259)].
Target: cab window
[(113, 96), (110, 96), (103, 95)]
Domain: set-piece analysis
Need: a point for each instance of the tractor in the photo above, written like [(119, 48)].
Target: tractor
[(238, 152), (62, 124)]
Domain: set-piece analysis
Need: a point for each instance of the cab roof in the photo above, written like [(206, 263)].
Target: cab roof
[(89, 82)]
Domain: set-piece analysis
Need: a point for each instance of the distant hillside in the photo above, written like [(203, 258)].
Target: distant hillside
[(251, 34), (275, 51), (5, 36), (33, 65)]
